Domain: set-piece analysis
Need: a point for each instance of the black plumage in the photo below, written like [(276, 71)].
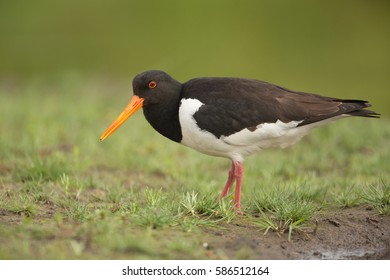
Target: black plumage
[(232, 104)]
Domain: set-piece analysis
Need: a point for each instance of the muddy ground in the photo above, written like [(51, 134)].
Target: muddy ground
[(355, 233), (352, 233)]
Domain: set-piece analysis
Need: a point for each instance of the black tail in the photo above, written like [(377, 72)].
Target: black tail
[(357, 108)]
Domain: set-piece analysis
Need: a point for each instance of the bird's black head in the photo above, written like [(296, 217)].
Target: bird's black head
[(159, 95), (155, 86)]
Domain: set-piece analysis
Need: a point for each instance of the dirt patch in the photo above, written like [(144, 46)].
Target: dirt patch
[(355, 233), (9, 217)]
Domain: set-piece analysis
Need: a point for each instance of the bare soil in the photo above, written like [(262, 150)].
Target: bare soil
[(354, 233)]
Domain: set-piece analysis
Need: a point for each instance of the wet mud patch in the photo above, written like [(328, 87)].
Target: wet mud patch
[(354, 233)]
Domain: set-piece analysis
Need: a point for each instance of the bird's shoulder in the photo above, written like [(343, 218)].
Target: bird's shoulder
[(208, 88)]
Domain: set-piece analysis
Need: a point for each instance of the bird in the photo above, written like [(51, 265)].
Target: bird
[(231, 117)]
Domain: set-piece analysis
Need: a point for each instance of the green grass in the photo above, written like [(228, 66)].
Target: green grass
[(64, 194), (281, 211), (379, 197)]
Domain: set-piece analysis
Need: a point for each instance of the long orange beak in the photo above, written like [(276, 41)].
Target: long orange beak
[(134, 105)]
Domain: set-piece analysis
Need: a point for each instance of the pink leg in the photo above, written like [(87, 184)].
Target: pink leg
[(238, 173), (229, 182), (235, 173)]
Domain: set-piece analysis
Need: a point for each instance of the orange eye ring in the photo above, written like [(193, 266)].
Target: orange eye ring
[(152, 84)]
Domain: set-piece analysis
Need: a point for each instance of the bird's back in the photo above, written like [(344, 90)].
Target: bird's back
[(232, 104), (234, 117)]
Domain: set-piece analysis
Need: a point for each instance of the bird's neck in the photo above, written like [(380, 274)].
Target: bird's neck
[(165, 118)]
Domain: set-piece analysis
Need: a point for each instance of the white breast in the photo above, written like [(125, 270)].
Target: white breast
[(200, 140)]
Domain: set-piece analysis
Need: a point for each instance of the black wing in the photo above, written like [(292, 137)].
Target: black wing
[(232, 104)]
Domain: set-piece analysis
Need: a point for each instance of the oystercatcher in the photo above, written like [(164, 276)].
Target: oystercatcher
[(231, 117)]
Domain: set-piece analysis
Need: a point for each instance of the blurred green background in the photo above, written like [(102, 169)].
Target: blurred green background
[(335, 48)]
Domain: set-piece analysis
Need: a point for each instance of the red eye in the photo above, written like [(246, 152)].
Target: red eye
[(152, 84)]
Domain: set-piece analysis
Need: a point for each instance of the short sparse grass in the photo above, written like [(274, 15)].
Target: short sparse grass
[(281, 211), (379, 197), (348, 197), (191, 205), (137, 195)]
